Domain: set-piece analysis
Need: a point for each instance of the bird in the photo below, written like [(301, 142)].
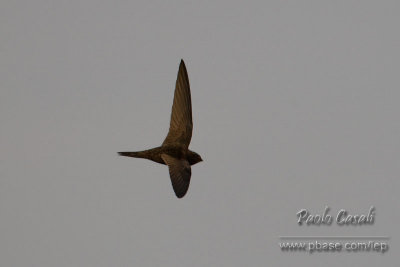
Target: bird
[(174, 151)]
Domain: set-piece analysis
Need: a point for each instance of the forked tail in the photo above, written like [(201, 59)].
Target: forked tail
[(131, 154), (151, 154)]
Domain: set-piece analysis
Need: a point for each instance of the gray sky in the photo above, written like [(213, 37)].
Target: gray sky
[(295, 105)]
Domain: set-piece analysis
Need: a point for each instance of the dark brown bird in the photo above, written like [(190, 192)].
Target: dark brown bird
[(174, 151)]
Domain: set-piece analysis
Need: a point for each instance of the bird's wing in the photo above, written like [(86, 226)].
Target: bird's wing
[(180, 172), (181, 125)]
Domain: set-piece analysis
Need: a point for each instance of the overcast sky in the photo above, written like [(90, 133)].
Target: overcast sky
[(295, 105)]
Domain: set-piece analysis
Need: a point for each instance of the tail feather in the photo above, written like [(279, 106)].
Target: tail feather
[(130, 154), (151, 154)]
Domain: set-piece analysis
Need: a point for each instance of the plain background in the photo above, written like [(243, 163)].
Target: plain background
[(295, 105)]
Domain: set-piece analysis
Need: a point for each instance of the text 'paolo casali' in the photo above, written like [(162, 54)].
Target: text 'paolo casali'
[(343, 217)]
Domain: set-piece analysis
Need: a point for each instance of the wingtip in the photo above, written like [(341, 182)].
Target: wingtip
[(182, 66), (180, 196)]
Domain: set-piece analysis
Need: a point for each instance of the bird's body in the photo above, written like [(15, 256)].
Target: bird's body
[(174, 151)]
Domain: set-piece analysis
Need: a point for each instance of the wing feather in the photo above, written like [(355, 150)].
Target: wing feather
[(180, 172), (181, 125)]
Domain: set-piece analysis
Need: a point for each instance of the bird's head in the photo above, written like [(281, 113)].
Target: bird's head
[(194, 158)]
